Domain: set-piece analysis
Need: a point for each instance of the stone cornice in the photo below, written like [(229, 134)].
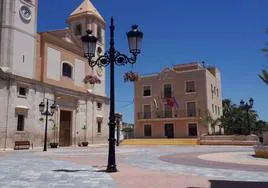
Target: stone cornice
[(27, 81)]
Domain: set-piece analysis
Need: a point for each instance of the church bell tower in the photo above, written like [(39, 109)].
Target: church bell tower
[(18, 37), (85, 17)]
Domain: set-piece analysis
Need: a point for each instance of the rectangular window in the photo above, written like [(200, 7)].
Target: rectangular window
[(191, 109), (168, 111), (217, 92), (146, 91), (147, 130), (216, 109), (147, 111), (190, 86), (167, 91), (212, 91), (20, 123), (22, 91), (219, 112), (99, 127), (99, 105), (192, 129), (212, 108)]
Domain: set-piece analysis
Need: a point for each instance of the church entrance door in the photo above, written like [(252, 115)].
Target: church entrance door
[(65, 128)]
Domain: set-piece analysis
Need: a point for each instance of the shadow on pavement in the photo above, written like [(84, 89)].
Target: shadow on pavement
[(66, 170), (235, 184)]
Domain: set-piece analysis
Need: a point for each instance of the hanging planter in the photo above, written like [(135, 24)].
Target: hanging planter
[(131, 76), (92, 79)]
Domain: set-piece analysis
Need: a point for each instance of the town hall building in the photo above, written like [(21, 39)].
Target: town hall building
[(50, 65)]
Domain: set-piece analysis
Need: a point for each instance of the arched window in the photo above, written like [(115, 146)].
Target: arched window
[(78, 30), (67, 70)]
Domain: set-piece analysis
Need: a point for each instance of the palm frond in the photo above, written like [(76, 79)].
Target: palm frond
[(264, 76)]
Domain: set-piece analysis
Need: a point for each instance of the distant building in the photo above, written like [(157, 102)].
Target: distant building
[(173, 103), (127, 125), (50, 64)]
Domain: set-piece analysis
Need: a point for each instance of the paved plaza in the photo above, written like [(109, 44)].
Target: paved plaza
[(139, 166)]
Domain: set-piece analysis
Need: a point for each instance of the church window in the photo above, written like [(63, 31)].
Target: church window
[(78, 30), (99, 33), (67, 70), (22, 91), (20, 123), (99, 127)]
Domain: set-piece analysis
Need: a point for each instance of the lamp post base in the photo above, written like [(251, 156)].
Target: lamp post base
[(111, 169)]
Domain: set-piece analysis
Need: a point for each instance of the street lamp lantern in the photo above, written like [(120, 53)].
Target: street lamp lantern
[(89, 44), (134, 40), (53, 108), (251, 101), (112, 57), (41, 107), (242, 102)]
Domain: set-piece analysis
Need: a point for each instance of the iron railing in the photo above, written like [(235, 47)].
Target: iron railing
[(169, 114)]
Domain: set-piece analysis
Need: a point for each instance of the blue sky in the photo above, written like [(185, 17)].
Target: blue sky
[(228, 34)]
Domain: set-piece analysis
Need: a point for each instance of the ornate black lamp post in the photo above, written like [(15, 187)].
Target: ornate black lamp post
[(46, 113), (112, 57), (247, 107)]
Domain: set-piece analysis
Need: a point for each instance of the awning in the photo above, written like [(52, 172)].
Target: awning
[(22, 107)]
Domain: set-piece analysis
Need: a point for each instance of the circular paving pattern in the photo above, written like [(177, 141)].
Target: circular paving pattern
[(244, 158), (184, 160)]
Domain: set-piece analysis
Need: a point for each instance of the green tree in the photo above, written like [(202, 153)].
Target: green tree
[(234, 119), (260, 127), (209, 121)]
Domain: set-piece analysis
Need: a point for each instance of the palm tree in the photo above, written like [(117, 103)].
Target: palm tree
[(264, 76), (209, 121), (264, 73)]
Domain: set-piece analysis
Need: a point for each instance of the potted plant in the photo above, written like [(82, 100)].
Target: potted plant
[(131, 76), (92, 79), (85, 143), (54, 144)]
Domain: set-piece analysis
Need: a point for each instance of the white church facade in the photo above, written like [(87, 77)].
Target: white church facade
[(49, 65)]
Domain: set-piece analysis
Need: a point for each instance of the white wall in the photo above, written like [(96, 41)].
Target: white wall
[(23, 55), (53, 64), (79, 72)]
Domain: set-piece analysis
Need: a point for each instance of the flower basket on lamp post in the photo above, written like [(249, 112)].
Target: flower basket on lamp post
[(131, 76), (91, 79)]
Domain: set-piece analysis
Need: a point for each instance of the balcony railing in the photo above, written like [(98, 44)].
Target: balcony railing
[(169, 114)]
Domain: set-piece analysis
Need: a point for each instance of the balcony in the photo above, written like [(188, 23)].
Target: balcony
[(169, 114)]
